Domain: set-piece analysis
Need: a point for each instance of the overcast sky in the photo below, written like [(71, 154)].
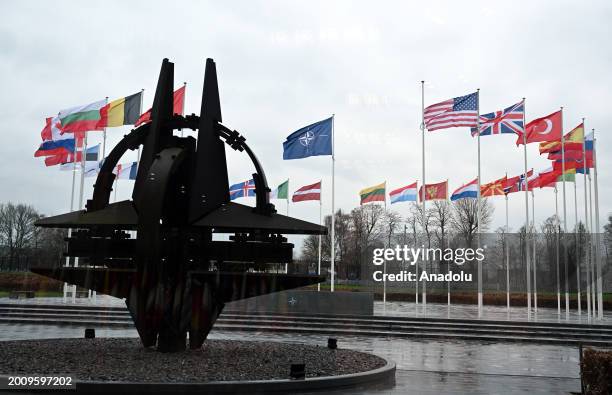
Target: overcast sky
[(283, 65)]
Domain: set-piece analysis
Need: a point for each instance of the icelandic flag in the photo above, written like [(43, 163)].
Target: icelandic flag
[(242, 189), (311, 140), (404, 194), (469, 190)]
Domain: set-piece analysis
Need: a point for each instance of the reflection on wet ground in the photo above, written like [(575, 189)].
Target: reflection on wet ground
[(423, 366)]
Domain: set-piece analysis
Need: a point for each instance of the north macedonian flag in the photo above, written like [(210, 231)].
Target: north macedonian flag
[(373, 194), (493, 188), (124, 111), (437, 191)]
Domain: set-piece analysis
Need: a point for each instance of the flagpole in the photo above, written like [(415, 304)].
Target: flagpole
[(535, 271), (320, 221), (82, 184), (423, 216), (74, 169), (507, 258), (527, 264), (104, 135), (557, 231), (141, 99), (597, 233), (564, 219), (333, 219), (288, 199), (576, 241), (586, 224), (592, 251), (478, 204)]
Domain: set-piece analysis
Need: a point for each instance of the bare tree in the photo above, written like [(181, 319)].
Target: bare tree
[(17, 229), (441, 214), (465, 217), (393, 221)]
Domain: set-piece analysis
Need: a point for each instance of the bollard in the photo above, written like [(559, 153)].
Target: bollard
[(90, 333), (298, 371), (332, 343)]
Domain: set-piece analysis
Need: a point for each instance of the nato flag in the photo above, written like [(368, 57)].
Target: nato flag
[(312, 140)]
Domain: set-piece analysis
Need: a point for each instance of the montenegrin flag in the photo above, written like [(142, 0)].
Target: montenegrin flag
[(470, 190), (124, 111), (437, 191), (373, 194), (82, 118), (404, 194), (308, 192)]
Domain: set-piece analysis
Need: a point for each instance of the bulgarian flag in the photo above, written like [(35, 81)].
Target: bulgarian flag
[(373, 194), (82, 118), (281, 192)]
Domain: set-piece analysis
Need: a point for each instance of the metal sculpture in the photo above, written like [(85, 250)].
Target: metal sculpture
[(174, 277)]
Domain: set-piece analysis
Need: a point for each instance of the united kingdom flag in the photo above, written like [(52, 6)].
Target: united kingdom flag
[(510, 120)]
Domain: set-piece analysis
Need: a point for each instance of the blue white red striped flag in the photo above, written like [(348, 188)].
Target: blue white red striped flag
[(404, 194), (467, 191)]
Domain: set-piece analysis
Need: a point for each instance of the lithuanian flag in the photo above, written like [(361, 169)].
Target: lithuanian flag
[(124, 111), (373, 194)]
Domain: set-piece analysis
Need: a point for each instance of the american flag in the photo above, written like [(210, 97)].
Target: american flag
[(510, 120), (460, 111)]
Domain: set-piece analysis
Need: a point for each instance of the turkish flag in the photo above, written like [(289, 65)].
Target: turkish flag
[(543, 129), (437, 191)]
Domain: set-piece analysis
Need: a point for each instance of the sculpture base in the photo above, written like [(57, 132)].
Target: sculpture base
[(220, 366)]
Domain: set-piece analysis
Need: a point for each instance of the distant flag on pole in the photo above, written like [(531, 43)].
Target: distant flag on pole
[(373, 194), (82, 118), (516, 184), (547, 128), (493, 188), (457, 112), (467, 191), (55, 141), (307, 192), (67, 161), (124, 111), (311, 140), (573, 142), (281, 192), (404, 194), (242, 189), (178, 105), (126, 171), (438, 191), (509, 120)]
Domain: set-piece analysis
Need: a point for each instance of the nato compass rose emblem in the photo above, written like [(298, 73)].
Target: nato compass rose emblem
[(292, 301), (306, 138)]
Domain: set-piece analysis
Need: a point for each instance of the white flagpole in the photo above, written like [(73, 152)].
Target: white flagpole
[(557, 231), (528, 266), (507, 258), (104, 136), (333, 214), (597, 233), (586, 225), (576, 238), (535, 271), (564, 218), (320, 221), (82, 184), (423, 216), (141, 99), (287, 198), (592, 251), (74, 169), (478, 204)]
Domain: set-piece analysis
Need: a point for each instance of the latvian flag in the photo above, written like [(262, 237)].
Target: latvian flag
[(308, 192)]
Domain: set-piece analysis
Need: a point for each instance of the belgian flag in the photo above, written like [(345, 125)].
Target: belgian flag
[(124, 111)]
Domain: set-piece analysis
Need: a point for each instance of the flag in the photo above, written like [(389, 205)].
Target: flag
[(55, 141), (572, 165), (126, 171), (509, 120), (549, 177), (493, 188), (281, 192), (573, 142), (81, 118), (469, 190), (178, 103), (124, 111), (91, 155), (373, 194), (308, 192), (570, 155), (456, 112), (242, 189), (568, 176), (311, 140), (516, 184), (404, 194), (542, 129), (588, 141), (437, 191)]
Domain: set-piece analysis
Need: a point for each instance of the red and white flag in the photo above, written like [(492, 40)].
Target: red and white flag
[(308, 192), (547, 128)]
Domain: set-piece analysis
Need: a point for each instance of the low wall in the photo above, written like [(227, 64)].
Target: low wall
[(298, 301)]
